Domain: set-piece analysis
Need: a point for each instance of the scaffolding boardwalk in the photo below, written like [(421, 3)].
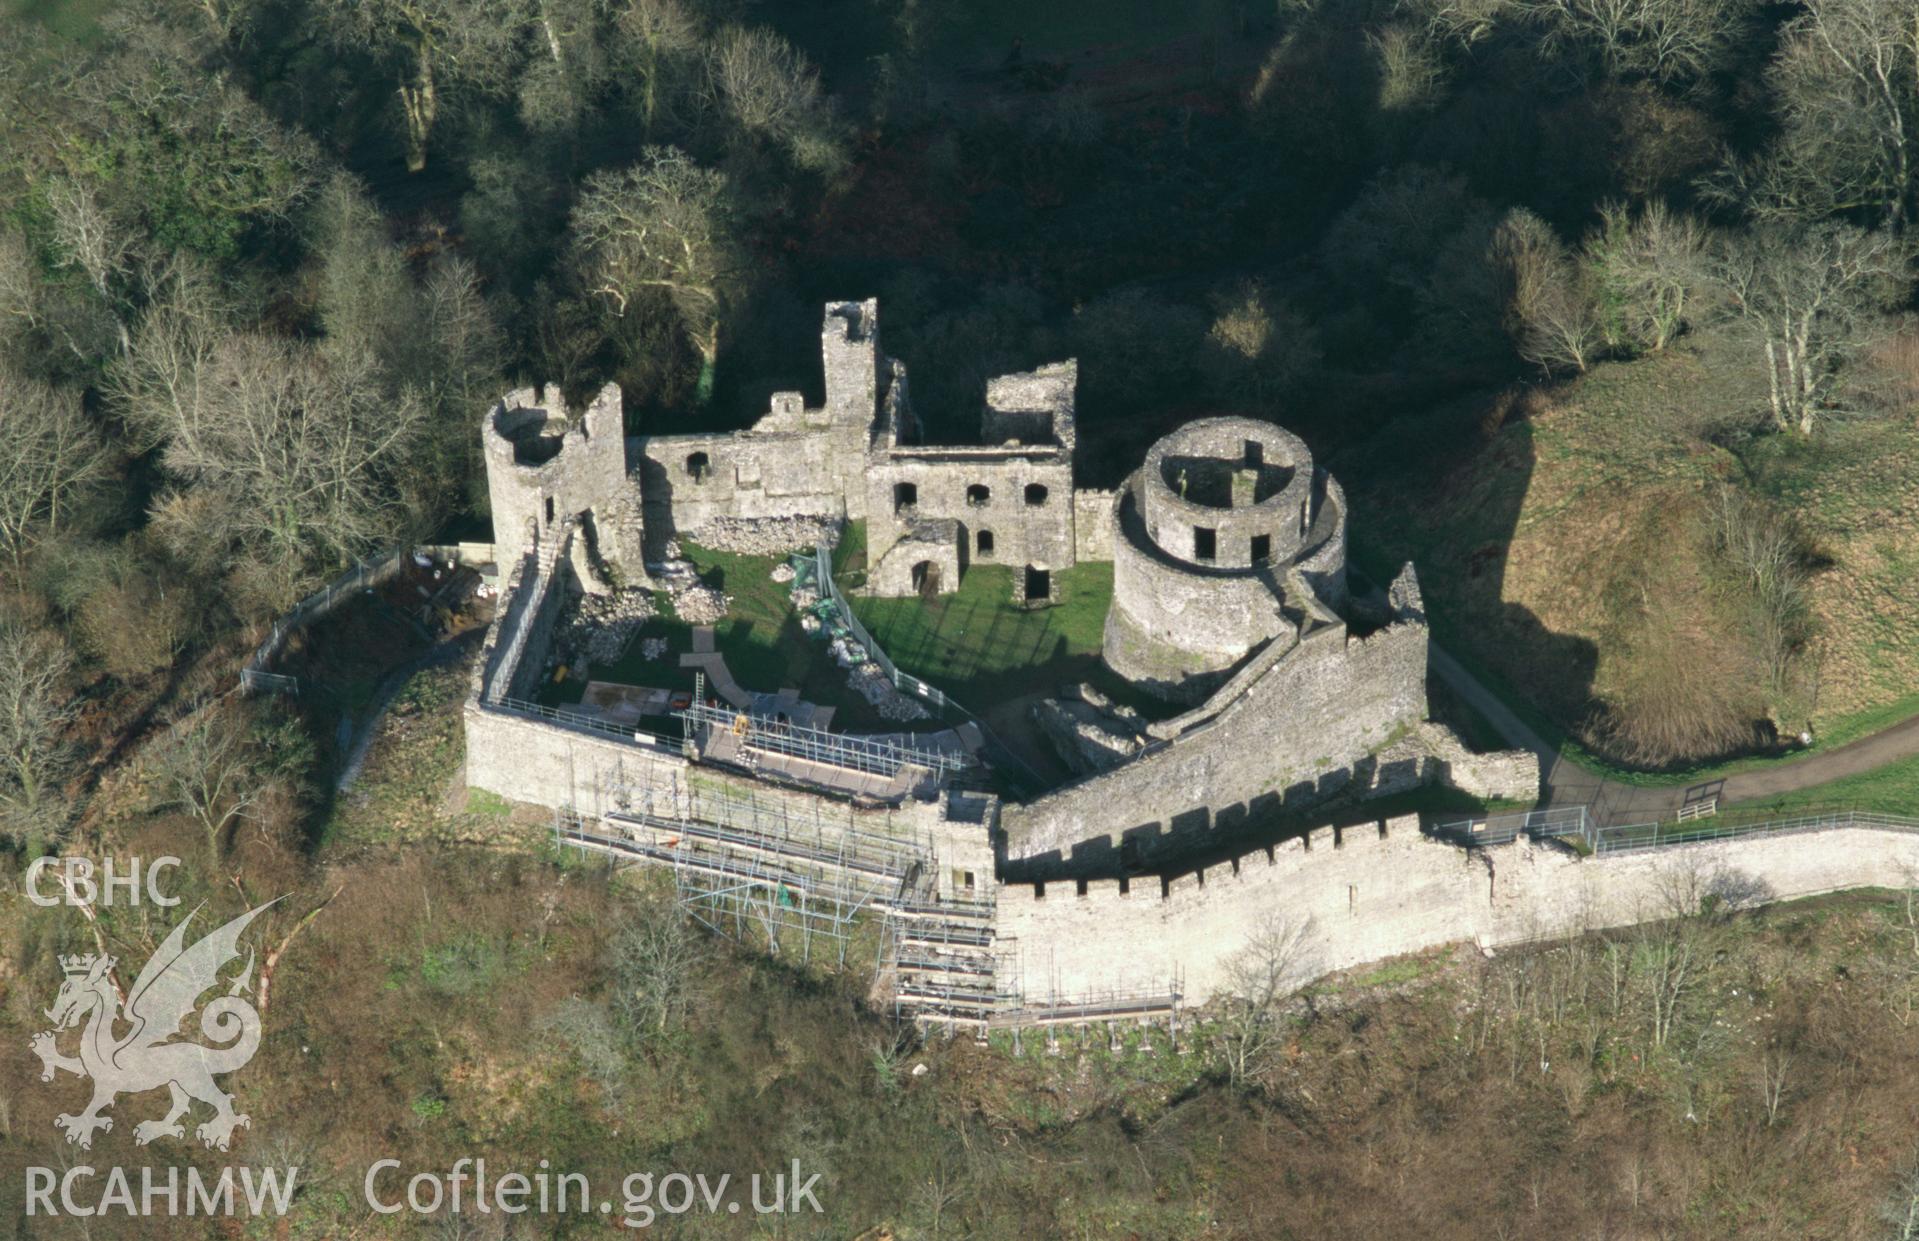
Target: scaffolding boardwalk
[(887, 769)]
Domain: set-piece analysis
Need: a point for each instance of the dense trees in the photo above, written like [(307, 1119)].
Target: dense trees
[(262, 264), (437, 49), (1847, 82)]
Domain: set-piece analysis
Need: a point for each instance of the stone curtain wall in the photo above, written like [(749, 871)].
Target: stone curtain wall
[(1379, 890), (529, 758), (1294, 737)]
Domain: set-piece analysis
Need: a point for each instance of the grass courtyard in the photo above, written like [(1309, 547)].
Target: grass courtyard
[(760, 638), (975, 644), (978, 646)]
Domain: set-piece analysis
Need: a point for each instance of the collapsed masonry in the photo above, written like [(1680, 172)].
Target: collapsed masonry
[(1229, 599)]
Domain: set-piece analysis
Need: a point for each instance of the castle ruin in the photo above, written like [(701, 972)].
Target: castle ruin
[(1134, 884)]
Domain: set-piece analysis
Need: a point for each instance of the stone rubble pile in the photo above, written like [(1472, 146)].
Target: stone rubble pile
[(601, 627), (782, 572), (694, 601), (766, 536), (870, 682)]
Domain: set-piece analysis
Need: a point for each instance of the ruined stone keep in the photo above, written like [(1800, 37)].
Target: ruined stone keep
[(1207, 537)]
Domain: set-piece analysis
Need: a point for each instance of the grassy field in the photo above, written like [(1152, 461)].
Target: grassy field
[(975, 643), (1562, 558), (760, 638), (978, 646), (1892, 789)]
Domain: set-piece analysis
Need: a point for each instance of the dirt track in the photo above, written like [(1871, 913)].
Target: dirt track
[(1568, 784)]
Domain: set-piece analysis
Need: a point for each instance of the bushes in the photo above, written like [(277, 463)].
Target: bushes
[(130, 611)]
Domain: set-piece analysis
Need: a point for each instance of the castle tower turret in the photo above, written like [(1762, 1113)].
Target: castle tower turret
[(850, 356), (547, 464)]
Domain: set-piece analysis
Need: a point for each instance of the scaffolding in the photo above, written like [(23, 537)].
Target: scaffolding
[(797, 873), (771, 734), (801, 874)]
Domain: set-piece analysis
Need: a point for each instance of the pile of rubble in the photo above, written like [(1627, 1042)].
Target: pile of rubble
[(766, 536), (694, 601), (601, 627), (870, 682)]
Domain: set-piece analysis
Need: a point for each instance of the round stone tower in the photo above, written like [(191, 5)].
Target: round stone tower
[(547, 465), (1206, 535)]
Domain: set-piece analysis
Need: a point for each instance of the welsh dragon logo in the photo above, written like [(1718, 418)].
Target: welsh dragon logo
[(143, 1059)]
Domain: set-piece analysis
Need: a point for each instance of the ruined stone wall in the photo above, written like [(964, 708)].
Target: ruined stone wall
[(1379, 890), (1033, 407), (931, 547), (1023, 532), (851, 361), (690, 481), (1503, 775), (1291, 738), (1093, 524), (1323, 563)]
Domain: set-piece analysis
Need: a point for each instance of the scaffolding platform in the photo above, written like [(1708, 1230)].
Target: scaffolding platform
[(885, 769)]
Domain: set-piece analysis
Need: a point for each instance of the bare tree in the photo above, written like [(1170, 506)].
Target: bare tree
[(1258, 345), (35, 710), (284, 455), (162, 382), (1551, 313), (1847, 80), (1901, 1211), (664, 225), (656, 959), (768, 89), (1412, 73), (91, 240), (1277, 958), (48, 455), (660, 45), (211, 770), (1665, 40), (1650, 267), (1769, 558), (19, 288), (1774, 1065), (1463, 22), (1808, 297)]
